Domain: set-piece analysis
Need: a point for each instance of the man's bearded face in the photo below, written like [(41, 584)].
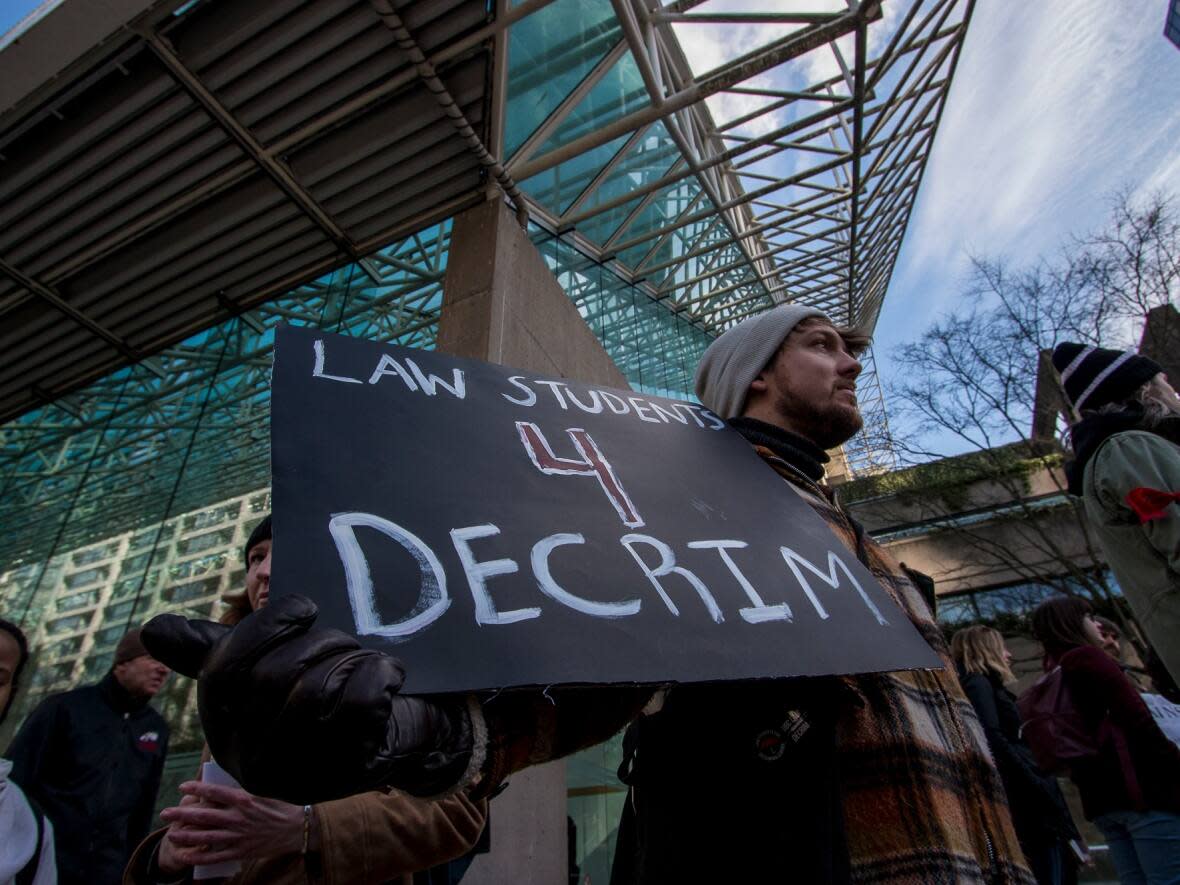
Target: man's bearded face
[(811, 385)]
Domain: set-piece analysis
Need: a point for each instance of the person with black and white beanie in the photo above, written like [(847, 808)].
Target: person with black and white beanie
[(1126, 442)]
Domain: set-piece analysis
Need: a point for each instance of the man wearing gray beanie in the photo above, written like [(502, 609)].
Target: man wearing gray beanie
[(880, 778), (789, 367)]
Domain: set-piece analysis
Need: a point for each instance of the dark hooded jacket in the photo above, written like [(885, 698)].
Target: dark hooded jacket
[(1039, 812)]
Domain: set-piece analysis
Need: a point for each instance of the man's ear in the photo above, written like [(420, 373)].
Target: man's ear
[(759, 383)]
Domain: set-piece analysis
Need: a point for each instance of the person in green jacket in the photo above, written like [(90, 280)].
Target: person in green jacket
[(1126, 443)]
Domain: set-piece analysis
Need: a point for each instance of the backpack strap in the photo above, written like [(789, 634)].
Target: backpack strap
[(28, 873)]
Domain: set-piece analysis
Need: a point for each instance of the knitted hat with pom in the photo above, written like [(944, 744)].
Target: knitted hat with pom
[(1094, 376)]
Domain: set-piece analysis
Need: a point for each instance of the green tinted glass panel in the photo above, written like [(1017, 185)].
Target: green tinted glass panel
[(648, 160), (661, 211), (618, 93), (675, 254), (601, 227), (549, 53), (557, 188), (655, 348)]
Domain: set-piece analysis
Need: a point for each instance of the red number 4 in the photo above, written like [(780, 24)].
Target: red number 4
[(593, 463)]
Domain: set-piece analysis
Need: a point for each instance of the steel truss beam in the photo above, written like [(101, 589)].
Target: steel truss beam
[(804, 198)]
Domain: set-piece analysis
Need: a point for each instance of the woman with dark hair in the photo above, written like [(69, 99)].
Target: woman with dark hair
[(26, 836), (1039, 813), (1131, 788)]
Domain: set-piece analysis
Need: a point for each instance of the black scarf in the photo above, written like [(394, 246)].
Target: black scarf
[(1090, 433), (801, 453)]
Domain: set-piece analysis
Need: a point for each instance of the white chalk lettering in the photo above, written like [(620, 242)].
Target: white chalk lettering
[(540, 562), (832, 579), (668, 566), (715, 423), (318, 370), (760, 612), (556, 387), (593, 463), (429, 383), (530, 397), (615, 403), (432, 595), (692, 412), (479, 572), (665, 414), (640, 406), (595, 405), (387, 365)]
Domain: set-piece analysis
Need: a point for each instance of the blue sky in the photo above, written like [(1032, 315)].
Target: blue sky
[(12, 11), (1056, 105)]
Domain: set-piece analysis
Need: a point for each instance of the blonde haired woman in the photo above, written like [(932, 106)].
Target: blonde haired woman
[(1042, 821)]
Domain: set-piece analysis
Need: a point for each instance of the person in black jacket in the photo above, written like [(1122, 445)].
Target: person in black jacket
[(92, 758), (1043, 824)]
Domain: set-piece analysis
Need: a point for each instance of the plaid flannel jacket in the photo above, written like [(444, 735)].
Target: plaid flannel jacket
[(923, 802)]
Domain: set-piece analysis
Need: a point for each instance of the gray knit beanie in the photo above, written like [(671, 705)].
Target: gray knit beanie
[(734, 360)]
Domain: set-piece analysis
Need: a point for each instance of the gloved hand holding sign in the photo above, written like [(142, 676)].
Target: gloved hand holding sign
[(307, 715)]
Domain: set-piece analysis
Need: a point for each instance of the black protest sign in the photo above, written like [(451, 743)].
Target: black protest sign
[(495, 528)]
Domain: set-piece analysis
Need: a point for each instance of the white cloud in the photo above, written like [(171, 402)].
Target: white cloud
[(708, 46), (1055, 105)]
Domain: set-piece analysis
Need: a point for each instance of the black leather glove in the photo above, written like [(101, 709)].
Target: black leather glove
[(305, 714)]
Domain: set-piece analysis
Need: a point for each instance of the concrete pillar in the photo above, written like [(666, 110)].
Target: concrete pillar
[(1048, 399), (501, 304), (1161, 340)]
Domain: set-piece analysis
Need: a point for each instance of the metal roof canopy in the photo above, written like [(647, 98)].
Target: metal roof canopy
[(208, 156), (699, 215), (197, 164)]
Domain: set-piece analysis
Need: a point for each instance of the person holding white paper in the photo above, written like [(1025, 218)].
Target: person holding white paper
[(219, 829)]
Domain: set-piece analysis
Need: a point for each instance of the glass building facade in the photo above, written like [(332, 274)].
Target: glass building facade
[(134, 495), (142, 504)]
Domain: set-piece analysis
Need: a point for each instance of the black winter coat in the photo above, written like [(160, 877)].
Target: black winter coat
[(92, 758), (1039, 812), (735, 782)]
